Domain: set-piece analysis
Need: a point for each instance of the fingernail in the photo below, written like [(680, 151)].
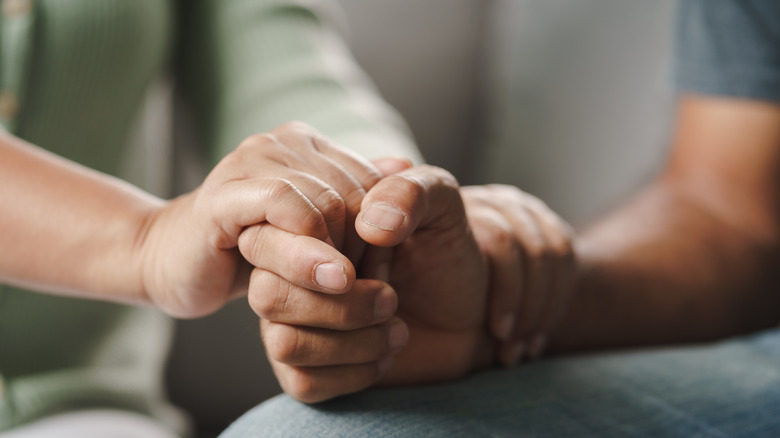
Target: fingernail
[(385, 304), (399, 335), (513, 355), (537, 345), (331, 276), (505, 325), (383, 216)]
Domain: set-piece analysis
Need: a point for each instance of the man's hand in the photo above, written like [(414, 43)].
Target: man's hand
[(532, 263), (437, 270), (321, 346)]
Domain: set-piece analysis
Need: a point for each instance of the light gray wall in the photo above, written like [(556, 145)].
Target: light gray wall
[(422, 56), (567, 99)]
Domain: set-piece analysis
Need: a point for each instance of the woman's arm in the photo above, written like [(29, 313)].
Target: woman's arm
[(68, 229)]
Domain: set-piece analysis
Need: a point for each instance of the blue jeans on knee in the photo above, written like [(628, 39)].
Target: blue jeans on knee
[(726, 389)]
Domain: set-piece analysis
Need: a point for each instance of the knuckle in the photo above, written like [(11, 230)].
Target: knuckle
[(408, 184), (314, 223), (303, 387), (258, 139), (295, 127), (563, 248), (536, 250), (506, 191), (270, 299), (342, 315), (318, 142), (446, 178), (296, 134), (251, 242), (351, 317), (278, 190), (283, 343), (331, 205), (499, 236), (502, 188), (370, 177), (538, 205), (251, 145)]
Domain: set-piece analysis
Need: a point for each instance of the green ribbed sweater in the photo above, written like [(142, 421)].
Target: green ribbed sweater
[(76, 72)]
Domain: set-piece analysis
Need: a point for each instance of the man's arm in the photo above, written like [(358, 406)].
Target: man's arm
[(695, 255)]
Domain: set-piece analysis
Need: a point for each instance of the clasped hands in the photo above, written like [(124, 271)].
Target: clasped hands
[(362, 272)]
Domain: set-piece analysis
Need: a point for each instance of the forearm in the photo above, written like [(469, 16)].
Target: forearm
[(247, 66), (67, 229), (668, 268)]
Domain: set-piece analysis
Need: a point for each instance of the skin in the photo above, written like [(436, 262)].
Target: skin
[(80, 233), (441, 282), (532, 265), (445, 286), (454, 278), (694, 256), (283, 219)]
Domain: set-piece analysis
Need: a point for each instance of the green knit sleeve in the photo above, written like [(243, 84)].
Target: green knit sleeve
[(246, 66)]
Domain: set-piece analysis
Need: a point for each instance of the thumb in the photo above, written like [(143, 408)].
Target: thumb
[(392, 165), (416, 198)]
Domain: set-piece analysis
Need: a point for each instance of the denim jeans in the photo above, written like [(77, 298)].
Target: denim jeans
[(726, 389)]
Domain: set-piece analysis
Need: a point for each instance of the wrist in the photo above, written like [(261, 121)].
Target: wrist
[(156, 235), (120, 267)]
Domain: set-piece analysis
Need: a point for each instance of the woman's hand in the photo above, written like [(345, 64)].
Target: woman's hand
[(292, 193)]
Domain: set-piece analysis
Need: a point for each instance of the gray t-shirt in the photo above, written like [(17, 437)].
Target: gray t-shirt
[(729, 47)]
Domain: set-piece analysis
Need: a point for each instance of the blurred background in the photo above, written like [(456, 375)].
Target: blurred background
[(567, 99)]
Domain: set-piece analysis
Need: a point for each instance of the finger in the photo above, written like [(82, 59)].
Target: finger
[(497, 241), (348, 173), (562, 272), (537, 268), (304, 261), (423, 196), (557, 251), (316, 384), (352, 192), (307, 346), (315, 148), (241, 203), (479, 200), (329, 199), (363, 170), (273, 298), (391, 165), (288, 154)]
